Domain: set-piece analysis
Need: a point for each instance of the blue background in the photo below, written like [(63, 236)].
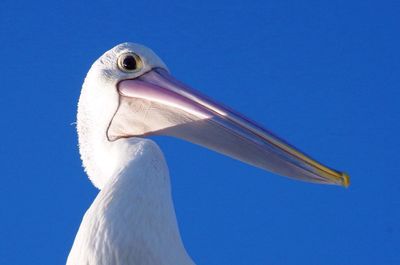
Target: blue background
[(322, 74)]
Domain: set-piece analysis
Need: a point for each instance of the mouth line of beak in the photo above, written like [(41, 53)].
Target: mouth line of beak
[(158, 86), (340, 177)]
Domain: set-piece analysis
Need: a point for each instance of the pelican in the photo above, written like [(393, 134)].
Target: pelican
[(129, 94)]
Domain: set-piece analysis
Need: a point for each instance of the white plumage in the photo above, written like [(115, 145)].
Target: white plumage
[(129, 94), (132, 220)]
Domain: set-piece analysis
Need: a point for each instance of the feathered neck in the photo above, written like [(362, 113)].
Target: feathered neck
[(100, 157), (132, 220)]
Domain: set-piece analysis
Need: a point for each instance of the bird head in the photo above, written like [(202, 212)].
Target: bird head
[(129, 93)]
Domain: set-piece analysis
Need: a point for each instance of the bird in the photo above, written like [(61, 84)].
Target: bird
[(129, 94)]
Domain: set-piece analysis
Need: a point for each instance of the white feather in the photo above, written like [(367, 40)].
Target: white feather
[(132, 220)]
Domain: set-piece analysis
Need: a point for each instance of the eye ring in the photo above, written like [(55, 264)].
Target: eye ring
[(130, 62)]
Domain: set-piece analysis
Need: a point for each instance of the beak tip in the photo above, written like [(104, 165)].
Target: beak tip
[(345, 180)]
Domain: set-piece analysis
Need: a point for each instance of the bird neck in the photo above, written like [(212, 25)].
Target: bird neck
[(132, 220), (103, 159)]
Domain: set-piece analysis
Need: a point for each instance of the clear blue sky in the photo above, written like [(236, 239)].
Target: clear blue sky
[(324, 75)]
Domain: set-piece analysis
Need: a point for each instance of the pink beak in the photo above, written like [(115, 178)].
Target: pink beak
[(157, 104)]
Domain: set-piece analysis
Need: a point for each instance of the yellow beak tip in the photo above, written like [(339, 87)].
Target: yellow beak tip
[(345, 179)]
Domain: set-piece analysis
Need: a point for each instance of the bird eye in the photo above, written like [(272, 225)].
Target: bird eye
[(129, 62)]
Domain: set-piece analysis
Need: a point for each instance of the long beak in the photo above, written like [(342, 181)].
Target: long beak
[(157, 104)]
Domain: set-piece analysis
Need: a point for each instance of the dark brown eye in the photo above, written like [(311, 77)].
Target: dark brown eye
[(129, 62)]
